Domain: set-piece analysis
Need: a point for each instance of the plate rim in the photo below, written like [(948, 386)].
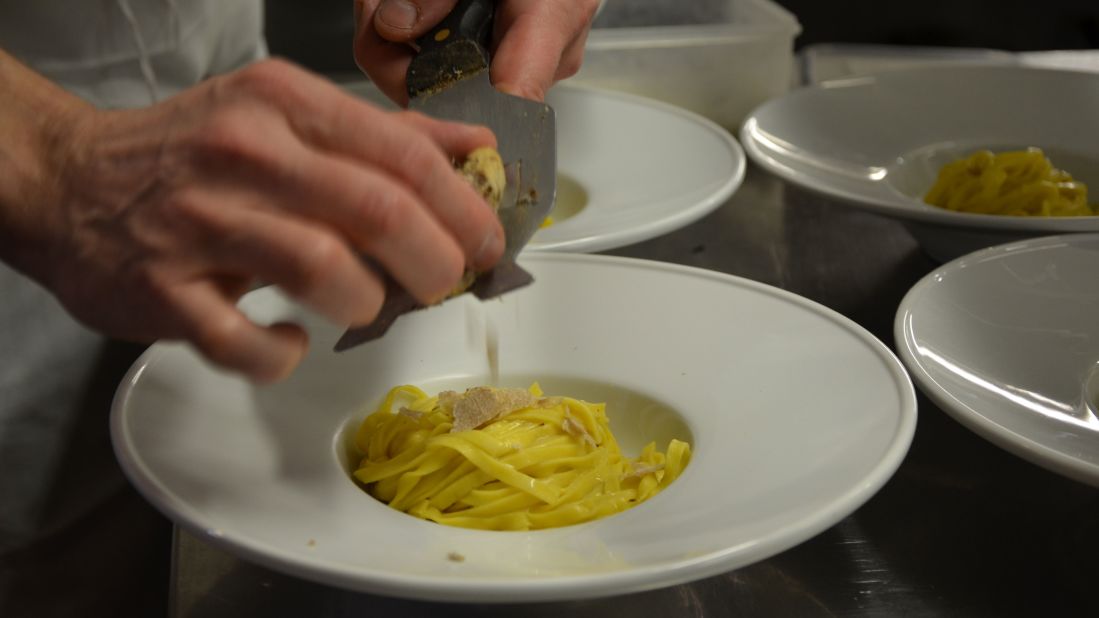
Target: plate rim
[(1014, 442), (555, 588), (901, 208)]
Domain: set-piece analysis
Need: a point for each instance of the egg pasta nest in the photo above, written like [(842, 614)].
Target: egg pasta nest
[(504, 459), (1019, 183)]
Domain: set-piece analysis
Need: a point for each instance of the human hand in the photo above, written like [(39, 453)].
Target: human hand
[(536, 42), (158, 220)]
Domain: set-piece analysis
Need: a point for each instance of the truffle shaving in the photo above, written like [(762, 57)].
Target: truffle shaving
[(576, 429), (482, 404), (639, 470)]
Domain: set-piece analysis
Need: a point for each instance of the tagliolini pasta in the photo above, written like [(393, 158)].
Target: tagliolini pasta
[(1020, 183), (504, 459)]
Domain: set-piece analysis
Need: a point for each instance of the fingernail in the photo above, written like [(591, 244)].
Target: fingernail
[(399, 14), (518, 90), (507, 88), (492, 247)]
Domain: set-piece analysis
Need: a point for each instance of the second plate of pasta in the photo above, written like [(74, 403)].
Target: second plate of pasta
[(1023, 136), (757, 421)]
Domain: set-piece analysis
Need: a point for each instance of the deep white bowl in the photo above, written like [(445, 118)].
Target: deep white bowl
[(878, 142), (1006, 341), (796, 416)]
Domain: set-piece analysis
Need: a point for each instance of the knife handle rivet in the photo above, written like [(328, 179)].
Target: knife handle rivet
[(442, 35)]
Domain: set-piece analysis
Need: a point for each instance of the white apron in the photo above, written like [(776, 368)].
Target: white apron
[(125, 53), (55, 463)]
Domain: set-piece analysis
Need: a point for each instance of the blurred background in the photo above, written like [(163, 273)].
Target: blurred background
[(318, 33)]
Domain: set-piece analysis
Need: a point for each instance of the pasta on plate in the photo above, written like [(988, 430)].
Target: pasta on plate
[(1019, 183), (504, 459)]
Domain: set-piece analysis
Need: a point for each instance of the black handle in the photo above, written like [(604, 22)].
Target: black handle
[(457, 47)]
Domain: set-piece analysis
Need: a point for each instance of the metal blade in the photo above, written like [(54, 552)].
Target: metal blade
[(525, 131), (505, 277), (526, 135)]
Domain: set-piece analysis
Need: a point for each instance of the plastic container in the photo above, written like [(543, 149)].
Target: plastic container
[(719, 58), (827, 61)]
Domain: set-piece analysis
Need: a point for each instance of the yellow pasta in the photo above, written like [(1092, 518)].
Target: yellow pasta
[(1019, 183), (550, 462)]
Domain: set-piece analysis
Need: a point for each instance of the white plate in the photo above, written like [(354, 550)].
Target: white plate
[(878, 142), (1006, 340), (796, 416), (629, 168)]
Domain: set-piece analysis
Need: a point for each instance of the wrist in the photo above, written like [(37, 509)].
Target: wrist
[(38, 123)]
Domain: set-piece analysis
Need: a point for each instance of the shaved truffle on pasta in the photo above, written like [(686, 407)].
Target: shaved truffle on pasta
[(482, 404)]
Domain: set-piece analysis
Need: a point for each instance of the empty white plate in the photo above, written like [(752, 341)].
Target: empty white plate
[(877, 142), (796, 416), (629, 168), (1006, 340)]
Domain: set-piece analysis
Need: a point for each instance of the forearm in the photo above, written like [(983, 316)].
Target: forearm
[(36, 120)]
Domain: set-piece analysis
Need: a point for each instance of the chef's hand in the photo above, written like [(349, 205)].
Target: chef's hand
[(537, 42), (150, 224)]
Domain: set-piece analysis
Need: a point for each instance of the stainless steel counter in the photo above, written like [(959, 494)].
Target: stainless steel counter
[(962, 529)]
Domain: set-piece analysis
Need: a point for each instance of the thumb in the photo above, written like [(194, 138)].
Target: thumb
[(402, 21)]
